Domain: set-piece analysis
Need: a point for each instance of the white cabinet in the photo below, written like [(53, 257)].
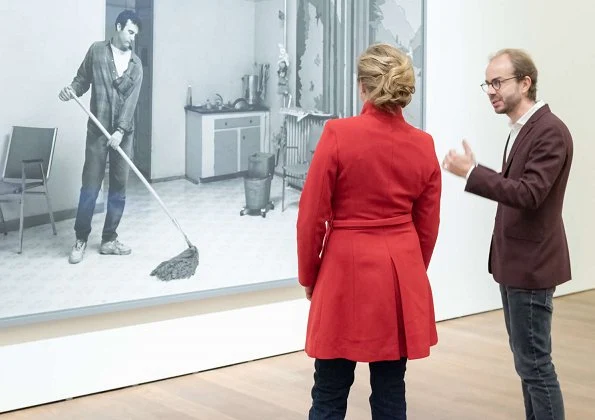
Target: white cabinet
[(218, 144)]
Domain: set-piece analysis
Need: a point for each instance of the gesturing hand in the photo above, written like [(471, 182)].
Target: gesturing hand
[(459, 164)]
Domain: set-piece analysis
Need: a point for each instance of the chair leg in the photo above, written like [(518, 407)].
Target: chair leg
[(21, 221), (47, 197), (283, 194), (3, 222)]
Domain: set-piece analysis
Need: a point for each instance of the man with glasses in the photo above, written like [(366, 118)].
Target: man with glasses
[(528, 254)]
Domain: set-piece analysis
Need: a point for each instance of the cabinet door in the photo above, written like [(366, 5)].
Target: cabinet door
[(249, 144), (226, 152)]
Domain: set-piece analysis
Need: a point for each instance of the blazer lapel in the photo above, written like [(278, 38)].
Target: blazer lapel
[(523, 134)]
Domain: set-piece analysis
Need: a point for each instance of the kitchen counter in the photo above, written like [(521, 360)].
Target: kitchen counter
[(225, 109), (219, 142)]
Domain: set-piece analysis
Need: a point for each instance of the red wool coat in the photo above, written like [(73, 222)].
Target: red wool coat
[(375, 181)]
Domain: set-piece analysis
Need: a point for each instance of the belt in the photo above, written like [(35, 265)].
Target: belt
[(362, 224)]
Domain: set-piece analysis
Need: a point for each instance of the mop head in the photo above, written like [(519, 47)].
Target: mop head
[(182, 266)]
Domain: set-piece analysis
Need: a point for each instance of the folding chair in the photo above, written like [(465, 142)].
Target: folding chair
[(27, 167)]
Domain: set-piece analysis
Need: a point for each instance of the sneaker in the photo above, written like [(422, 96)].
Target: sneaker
[(114, 247), (78, 252)]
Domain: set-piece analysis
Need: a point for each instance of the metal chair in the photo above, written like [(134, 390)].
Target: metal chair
[(298, 171), (27, 167)]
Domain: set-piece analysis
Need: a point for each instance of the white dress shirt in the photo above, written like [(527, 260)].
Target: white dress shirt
[(515, 128)]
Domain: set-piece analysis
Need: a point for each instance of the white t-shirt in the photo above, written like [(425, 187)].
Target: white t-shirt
[(121, 59)]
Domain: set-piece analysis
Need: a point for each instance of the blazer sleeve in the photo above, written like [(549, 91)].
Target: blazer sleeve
[(315, 206), (426, 213), (544, 163)]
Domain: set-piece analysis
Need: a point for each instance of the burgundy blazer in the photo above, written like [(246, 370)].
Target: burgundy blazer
[(529, 248)]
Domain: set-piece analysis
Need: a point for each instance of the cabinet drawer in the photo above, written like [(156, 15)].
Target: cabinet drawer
[(237, 122)]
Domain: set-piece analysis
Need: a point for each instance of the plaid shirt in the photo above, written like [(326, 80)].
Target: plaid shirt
[(113, 98)]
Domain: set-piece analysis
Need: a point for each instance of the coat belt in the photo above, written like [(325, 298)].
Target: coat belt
[(361, 224), (364, 223)]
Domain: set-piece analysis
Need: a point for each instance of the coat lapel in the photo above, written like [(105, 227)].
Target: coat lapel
[(524, 133)]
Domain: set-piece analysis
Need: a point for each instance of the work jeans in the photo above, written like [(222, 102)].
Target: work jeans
[(528, 318), (96, 154), (333, 379)]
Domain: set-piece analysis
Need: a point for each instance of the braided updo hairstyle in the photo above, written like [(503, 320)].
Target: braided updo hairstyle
[(387, 76)]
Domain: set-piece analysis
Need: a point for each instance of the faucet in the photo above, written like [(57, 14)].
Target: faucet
[(219, 101)]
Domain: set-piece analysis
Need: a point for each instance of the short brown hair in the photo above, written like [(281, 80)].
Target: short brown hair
[(523, 66), (387, 75)]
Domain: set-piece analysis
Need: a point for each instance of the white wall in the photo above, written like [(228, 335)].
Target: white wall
[(43, 45), (209, 44), (461, 34)]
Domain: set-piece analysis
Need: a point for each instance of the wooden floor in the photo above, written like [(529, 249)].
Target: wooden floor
[(469, 376)]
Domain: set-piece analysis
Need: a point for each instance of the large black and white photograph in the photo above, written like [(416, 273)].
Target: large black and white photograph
[(157, 149)]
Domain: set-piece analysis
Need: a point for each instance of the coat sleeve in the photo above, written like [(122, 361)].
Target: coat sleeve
[(426, 213), (315, 206), (544, 163)]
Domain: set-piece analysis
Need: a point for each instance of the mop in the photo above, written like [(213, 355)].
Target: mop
[(183, 265)]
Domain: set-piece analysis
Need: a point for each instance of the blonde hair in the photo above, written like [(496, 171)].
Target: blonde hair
[(386, 73)]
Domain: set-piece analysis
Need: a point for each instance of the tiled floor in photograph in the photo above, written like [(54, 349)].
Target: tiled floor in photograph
[(234, 250)]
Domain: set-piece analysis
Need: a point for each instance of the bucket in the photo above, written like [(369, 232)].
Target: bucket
[(258, 192), (261, 165)]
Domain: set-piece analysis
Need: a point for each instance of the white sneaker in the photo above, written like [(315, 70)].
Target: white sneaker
[(78, 252), (114, 247)]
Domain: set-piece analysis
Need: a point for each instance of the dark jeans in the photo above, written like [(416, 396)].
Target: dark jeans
[(528, 317), (333, 379), (93, 173)]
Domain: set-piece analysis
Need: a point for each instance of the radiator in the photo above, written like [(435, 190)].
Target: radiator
[(299, 122)]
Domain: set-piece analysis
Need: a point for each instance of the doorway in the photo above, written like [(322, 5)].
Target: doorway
[(143, 47)]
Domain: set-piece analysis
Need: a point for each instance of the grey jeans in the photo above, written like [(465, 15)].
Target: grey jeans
[(528, 318), (96, 154)]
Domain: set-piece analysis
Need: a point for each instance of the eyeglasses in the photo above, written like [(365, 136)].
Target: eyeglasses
[(496, 83)]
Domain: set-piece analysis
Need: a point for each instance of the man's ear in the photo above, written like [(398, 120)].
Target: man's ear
[(118, 27), (527, 82)]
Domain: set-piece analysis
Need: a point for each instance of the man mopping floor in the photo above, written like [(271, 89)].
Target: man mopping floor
[(114, 73)]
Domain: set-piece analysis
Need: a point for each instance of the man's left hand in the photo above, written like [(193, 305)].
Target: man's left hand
[(115, 140), (459, 164)]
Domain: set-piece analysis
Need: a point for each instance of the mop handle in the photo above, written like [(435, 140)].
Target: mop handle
[(133, 166)]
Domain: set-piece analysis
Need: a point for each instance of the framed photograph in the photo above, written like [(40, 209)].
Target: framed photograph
[(227, 119)]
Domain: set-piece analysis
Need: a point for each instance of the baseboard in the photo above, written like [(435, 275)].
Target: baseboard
[(167, 178), (44, 218), (223, 177)]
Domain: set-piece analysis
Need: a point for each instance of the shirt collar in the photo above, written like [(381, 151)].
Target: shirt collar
[(523, 120)]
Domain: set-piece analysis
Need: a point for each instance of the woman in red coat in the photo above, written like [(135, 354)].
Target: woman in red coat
[(367, 224)]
